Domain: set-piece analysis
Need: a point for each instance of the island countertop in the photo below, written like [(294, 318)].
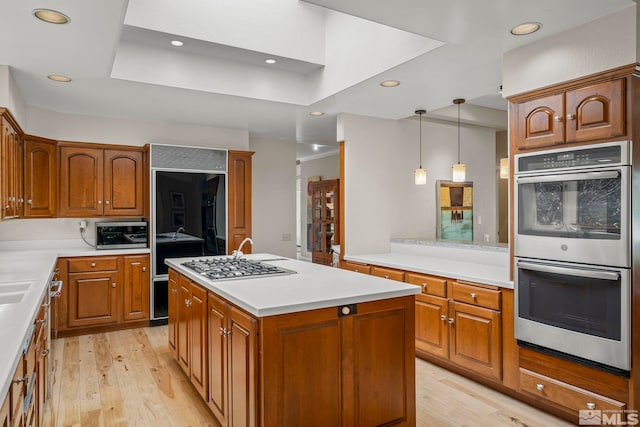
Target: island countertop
[(312, 286)]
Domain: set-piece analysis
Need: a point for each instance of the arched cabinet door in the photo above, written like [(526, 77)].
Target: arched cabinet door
[(596, 112), (81, 180), (123, 183), (540, 122)]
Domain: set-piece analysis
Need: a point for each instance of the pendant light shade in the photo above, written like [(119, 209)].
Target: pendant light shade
[(504, 168), (459, 169), (420, 175)]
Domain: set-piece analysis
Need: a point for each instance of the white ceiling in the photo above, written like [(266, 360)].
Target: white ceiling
[(331, 55)]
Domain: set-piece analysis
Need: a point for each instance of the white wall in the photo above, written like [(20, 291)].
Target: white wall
[(274, 197), (326, 168), (381, 199), (10, 96), (600, 45)]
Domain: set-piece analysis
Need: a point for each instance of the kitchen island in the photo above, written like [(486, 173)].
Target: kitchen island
[(321, 346)]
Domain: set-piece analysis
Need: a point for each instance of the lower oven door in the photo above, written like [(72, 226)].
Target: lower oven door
[(574, 309)]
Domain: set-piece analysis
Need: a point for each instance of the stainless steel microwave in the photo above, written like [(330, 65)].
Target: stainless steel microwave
[(121, 235)]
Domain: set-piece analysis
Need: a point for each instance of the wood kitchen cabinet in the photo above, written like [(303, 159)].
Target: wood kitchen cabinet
[(239, 199), (459, 322), (387, 273), (11, 167), (136, 288), (97, 181), (172, 314), (102, 293), (356, 267), (40, 177), (4, 413), (325, 222), (192, 333), (233, 364), (596, 112)]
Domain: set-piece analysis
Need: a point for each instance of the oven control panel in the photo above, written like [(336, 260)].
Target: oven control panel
[(590, 156)]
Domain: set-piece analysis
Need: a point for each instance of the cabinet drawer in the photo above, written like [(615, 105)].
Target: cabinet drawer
[(387, 273), (430, 285), (476, 295), (17, 390), (354, 266), (564, 394), (79, 265)]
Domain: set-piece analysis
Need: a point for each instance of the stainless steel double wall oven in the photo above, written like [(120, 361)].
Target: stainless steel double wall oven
[(573, 252)]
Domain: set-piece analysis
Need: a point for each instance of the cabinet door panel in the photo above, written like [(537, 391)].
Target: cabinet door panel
[(302, 352), (92, 299), (432, 331), (182, 339), (4, 413), (81, 181), (596, 112), (198, 336), (540, 122), (239, 199), (173, 311), (40, 179), (475, 339), (243, 372), (123, 182), (385, 333), (136, 287), (218, 358)]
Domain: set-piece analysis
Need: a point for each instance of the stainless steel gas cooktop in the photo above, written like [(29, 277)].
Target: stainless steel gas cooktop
[(230, 268)]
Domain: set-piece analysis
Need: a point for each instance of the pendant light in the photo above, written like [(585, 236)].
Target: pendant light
[(504, 168), (459, 169), (420, 175)]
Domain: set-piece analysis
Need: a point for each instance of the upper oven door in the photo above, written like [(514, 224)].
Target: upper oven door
[(574, 216)]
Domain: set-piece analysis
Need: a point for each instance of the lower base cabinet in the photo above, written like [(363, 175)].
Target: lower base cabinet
[(312, 368), (4, 413)]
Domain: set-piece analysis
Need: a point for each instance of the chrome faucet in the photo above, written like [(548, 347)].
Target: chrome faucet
[(175, 235), (238, 252)]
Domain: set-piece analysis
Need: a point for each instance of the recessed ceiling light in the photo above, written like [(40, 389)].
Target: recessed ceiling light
[(390, 83), (51, 16), (270, 61), (315, 147), (316, 113), (59, 78), (526, 28), (177, 43)]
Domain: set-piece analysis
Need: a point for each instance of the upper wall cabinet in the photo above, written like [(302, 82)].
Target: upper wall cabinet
[(11, 167), (591, 113), (40, 177), (101, 181)]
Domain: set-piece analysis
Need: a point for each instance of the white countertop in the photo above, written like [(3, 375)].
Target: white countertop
[(473, 265), (312, 286), (32, 261)]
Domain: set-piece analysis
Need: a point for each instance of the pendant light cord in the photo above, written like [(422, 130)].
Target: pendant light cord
[(458, 133), (420, 140)]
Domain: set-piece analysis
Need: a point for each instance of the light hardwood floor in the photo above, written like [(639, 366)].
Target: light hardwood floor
[(129, 378)]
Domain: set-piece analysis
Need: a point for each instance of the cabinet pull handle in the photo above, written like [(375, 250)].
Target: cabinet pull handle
[(29, 201), (186, 302), (539, 387), (113, 285), (93, 264), (355, 269), (473, 295), (45, 352), (451, 320), (591, 405), (45, 305), (443, 317), (222, 330), (41, 320), (571, 116), (424, 287), (386, 277), (21, 379), (557, 118), (144, 268), (175, 291)]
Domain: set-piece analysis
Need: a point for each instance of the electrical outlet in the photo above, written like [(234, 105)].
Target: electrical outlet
[(479, 220), (83, 225)]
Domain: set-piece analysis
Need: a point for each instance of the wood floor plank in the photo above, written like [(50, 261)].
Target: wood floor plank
[(130, 378)]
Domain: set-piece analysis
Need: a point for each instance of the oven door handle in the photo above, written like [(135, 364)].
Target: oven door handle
[(580, 176), (592, 274)]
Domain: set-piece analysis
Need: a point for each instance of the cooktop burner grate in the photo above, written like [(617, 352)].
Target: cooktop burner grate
[(229, 268)]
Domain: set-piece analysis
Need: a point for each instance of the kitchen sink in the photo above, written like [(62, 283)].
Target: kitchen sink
[(14, 286), (11, 297)]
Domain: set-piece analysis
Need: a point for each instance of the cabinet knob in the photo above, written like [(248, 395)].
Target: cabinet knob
[(113, 285), (175, 291), (144, 268), (451, 320), (106, 202), (443, 317), (41, 320), (21, 379), (355, 269), (557, 118), (29, 201), (99, 202), (473, 295), (45, 352), (591, 405), (571, 116), (386, 277), (424, 287), (93, 264), (539, 387)]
